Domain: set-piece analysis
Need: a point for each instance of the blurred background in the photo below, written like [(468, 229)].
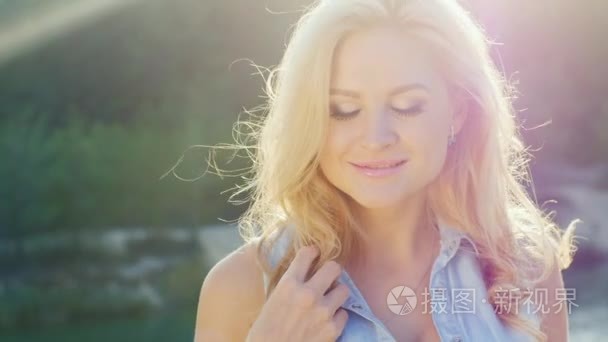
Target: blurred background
[(100, 98)]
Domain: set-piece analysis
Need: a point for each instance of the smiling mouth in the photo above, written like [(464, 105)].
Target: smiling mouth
[(380, 168), (385, 164)]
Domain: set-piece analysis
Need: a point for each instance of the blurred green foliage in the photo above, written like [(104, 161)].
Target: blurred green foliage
[(32, 305), (90, 121), (92, 174), (171, 325)]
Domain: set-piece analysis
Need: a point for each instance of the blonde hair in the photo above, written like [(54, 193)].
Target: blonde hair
[(480, 190)]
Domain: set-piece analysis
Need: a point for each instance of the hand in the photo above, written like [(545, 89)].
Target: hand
[(299, 310)]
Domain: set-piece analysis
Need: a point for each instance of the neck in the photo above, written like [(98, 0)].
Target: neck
[(397, 236)]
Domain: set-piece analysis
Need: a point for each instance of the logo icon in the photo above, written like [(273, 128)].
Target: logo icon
[(392, 300)]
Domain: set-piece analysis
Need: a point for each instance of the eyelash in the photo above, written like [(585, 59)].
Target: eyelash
[(412, 111)]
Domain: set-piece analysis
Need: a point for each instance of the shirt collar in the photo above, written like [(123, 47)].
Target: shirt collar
[(452, 238)]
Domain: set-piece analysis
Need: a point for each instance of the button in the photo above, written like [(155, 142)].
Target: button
[(456, 339), (356, 306)]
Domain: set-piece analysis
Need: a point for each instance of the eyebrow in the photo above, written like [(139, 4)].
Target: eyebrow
[(397, 90)]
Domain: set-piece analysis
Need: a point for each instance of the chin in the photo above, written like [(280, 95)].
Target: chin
[(380, 200)]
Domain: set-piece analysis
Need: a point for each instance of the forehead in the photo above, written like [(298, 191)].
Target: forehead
[(379, 59)]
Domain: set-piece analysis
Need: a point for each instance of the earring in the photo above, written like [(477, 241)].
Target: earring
[(452, 138)]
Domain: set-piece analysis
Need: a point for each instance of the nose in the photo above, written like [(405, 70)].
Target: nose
[(379, 131)]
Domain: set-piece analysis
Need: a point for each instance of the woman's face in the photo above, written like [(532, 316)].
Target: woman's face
[(390, 119)]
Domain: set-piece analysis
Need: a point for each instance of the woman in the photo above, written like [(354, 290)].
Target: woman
[(387, 176)]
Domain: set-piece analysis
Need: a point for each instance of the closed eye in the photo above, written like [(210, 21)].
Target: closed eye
[(411, 111), (342, 115)]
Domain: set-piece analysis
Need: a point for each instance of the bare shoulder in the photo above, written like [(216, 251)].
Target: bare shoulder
[(231, 297)]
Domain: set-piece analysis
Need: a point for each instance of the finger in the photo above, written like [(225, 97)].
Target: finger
[(335, 327), (340, 319), (336, 297), (325, 276), (301, 262)]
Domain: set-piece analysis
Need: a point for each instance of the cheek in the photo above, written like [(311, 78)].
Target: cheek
[(333, 156), (337, 143), (330, 153), (430, 142)]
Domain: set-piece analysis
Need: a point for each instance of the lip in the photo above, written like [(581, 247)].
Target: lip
[(380, 168)]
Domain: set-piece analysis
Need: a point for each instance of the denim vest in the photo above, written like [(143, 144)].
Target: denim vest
[(455, 272)]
